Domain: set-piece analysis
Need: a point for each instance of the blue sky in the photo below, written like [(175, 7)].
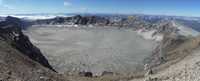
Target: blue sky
[(161, 7)]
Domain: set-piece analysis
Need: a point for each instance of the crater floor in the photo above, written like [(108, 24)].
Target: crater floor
[(92, 49)]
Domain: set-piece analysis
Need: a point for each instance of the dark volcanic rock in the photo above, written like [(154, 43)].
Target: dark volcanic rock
[(2, 19), (11, 32), (86, 74)]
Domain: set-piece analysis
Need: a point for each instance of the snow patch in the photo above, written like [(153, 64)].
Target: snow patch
[(150, 34)]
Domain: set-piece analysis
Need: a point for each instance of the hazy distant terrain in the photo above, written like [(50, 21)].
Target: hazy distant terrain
[(91, 49)]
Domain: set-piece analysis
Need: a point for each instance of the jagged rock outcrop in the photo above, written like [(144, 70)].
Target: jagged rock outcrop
[(79, 20), (135, 22), (11, 32), (87, 20)]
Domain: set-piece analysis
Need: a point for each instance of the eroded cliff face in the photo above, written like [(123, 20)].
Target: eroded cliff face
[(11, 32)]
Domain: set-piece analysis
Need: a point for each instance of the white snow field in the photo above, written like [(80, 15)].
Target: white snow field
[(92, 49)]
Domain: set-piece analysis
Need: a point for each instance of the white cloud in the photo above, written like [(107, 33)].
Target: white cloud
[(66, 3)]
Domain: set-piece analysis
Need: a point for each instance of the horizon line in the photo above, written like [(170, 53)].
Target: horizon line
[(81, 13)]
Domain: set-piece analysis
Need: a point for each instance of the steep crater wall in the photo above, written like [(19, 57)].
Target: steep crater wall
[(11, 32)]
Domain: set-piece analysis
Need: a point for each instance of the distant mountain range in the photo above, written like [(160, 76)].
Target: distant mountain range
[(153, 24)]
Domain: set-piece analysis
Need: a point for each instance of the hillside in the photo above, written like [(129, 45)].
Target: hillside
[(19, 59), (15, 66), (182, 64)]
